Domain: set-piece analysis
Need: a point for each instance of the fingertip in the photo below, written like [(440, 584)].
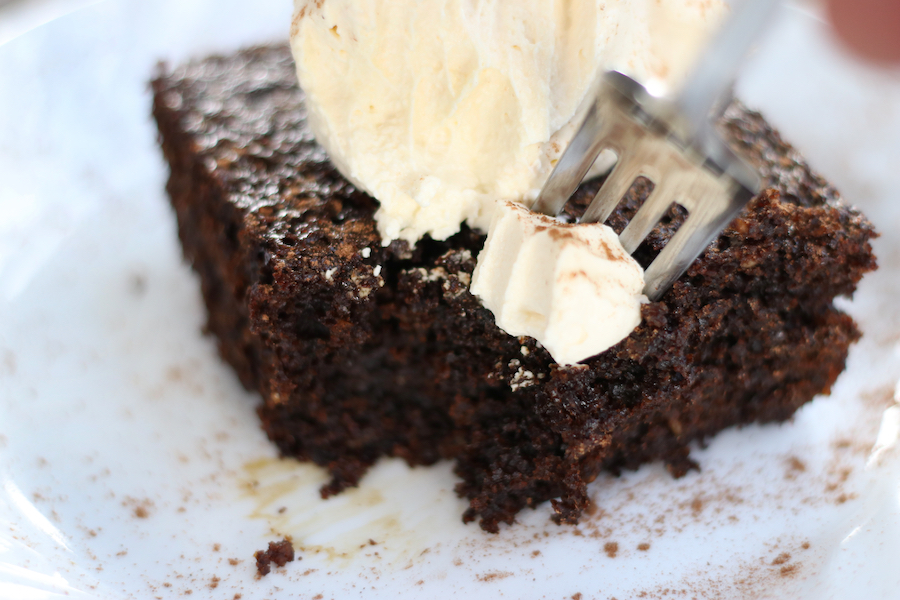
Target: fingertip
[(869, 28)]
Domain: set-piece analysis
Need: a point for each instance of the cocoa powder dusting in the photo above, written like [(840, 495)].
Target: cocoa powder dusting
[(789, 570), (493, 576)]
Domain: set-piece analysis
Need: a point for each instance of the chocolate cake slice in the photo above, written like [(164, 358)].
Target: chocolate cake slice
[(361, 351)]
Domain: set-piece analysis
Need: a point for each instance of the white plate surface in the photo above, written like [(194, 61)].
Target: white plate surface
[(131, 461)]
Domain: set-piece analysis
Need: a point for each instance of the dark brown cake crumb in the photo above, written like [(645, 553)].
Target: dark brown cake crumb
[(279, 553)]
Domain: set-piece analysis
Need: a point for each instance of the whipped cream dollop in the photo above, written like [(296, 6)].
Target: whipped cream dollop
[(574, 288), (439, 108), (447, 110)]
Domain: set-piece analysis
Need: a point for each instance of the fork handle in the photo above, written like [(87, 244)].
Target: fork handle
[(717, 66)]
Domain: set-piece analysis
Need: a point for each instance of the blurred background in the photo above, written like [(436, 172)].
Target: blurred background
[(19, 16)]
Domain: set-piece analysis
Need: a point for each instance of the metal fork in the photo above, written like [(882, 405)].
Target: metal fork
[(673, 143)]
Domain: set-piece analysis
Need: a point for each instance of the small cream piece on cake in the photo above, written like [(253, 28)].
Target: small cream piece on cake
[(571, 287)]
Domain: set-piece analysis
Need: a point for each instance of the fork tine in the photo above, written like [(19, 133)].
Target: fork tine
[(698, 231), (603, 204), (676, 180), (575, 162), (655, 206), (618, 182)]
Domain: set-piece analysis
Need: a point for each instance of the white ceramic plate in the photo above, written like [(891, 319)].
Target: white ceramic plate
[(131, 461)]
